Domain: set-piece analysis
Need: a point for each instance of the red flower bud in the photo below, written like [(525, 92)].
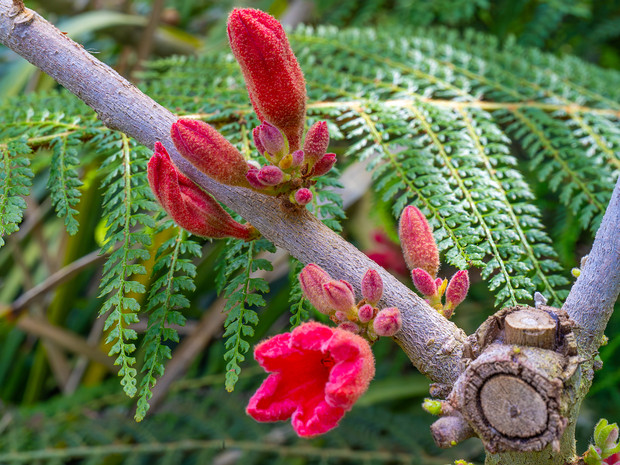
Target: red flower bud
[(316, 142), (303, 196), (424, 282), (366, 313), (417, 241), (272, 75), (252, 177), (372, 286), (210, 152), (270, 175), (257, 142), (188, 205), (324, 164), (339, 295), (272, 140), (311, 279), (456, 291), (388, 322)]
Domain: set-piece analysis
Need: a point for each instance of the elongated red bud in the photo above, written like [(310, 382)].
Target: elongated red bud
[(272, 75), (417, 241), (273, 141), (388, 322), (210, 152), (456, 291), (424, 282), (316, 142), (303, 196), (366, 313), (324, 164), (312, 278), (372, 286), (339, 296), (270, 175), (257, 142), (188, 205)]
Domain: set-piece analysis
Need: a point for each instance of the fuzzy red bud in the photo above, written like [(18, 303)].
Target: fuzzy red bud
[(272, 140), (424, 282), (188, 205), (272, 75), (316, 142), (210, 152), (252, 177), (270, 175), (366, 313), (339, 295), (297, 158), (417, 241), (324, 164), (312, 278), (372, 286), (456, 291), (303, 196), (257, 142), (350, 326), (388, 322)]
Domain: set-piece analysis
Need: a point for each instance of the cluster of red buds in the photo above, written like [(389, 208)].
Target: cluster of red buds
[(277, 90), (422, 258), (337, 300)]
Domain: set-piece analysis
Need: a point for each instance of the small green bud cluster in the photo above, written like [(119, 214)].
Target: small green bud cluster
[(605, 449)]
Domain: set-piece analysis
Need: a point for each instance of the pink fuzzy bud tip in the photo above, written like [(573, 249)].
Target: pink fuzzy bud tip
[(312, 278), (339, 295), (339, 317), (388, 322), (297, 158), (257, 142), (210, 152), (324, 164), (303, 196), (316, 142), (372, 286), (272, 140), (270, 175), (457, 289), (350, 326), (274, 80), (424, 282), (317, 374), (366, 313), (417, 241), (188, 205), (252, 177)]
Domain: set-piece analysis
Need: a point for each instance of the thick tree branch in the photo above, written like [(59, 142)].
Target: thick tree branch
[(592, 298), (433, 344)]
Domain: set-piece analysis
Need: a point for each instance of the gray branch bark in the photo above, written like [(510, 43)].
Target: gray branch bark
[(433, 343)]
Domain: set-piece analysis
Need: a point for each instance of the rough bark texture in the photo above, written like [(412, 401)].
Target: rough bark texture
[(432, 343)]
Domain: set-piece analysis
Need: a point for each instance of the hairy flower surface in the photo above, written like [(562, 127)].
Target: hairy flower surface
[(210, 152), (272, 75), (188, 205), (317, 374), (417, 241)]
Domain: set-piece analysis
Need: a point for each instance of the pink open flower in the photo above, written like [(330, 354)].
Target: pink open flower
[(317, 374)]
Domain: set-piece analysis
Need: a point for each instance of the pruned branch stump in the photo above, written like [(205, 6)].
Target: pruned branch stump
[(512, 394)]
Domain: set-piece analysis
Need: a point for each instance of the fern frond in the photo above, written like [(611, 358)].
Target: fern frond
[(300, 306), (166, 298), (15, 182), (243, 293), (64, 181), (127, 199)]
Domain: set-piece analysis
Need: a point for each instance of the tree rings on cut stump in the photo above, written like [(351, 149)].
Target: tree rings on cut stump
[(530, 327), (513, 407)]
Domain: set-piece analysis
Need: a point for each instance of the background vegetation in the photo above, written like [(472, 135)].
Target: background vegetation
[(60, 401)]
